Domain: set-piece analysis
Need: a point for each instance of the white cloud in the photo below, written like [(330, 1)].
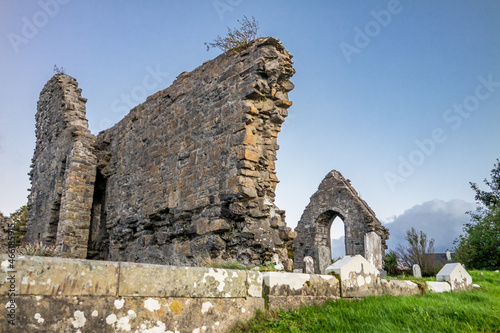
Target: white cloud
[(441, 220), (338, 247)]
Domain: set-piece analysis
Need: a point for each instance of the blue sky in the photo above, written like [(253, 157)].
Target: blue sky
[(401, 97)]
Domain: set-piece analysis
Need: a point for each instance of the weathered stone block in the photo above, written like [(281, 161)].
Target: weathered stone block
[(254, 283), (359, 278), (438, 287), (294, 302), (129, 314), (373, 249), (294, 284), (171, 281), (400, 287), (456, 275), (61, 277)]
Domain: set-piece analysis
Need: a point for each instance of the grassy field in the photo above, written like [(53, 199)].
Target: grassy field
[(473, 311)]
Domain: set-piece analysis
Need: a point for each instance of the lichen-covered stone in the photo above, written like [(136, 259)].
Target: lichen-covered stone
[(254, 284), (60, 277), (128, 314), (291, 290), (298, 284), (170, 281), (359, 278), (400, 287)]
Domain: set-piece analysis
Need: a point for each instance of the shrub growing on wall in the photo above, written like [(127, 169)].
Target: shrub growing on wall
[(237, 38)]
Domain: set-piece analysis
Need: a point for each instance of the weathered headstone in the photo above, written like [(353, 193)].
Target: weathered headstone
[(456, 275), (448, 255), (417, 272), (438, 287), (373, 249), (358, 276), (322, 258), (308, 265)]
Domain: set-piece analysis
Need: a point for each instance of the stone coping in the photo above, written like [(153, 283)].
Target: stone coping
[(79, 277), (54, 276)]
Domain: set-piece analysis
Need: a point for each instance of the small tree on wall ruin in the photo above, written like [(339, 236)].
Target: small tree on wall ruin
[(237, 38)]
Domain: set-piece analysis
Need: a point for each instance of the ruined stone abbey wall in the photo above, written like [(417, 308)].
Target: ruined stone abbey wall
[(186, 174), (63, 169), (191, 170)]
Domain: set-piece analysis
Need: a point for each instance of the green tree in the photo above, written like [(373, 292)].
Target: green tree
[(479, 247), (391, 263), (20, 218), (420, 251)]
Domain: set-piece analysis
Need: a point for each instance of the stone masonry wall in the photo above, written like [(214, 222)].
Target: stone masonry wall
[(336, 197), (63, 169), (190, 172), (187, 174)]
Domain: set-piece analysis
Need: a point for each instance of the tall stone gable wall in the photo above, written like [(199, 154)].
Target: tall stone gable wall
[(63, 169), (187, 174), (336, 197)]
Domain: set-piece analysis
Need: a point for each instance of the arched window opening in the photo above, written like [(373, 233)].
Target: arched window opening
[(337, 237)]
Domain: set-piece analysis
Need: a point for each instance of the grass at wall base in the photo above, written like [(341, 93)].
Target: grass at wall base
[(477, 310)]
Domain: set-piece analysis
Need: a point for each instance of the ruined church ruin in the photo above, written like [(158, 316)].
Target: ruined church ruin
[(187, 174), (364, 234)]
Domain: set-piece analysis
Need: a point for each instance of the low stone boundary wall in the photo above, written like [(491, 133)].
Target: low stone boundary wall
[(74, 295)]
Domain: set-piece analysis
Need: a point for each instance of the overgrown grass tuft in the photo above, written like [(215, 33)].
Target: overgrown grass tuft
[(223, 264), (477, 310)]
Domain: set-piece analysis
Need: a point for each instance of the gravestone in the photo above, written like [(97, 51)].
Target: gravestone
[(417, 272), (308, 265), (456, 276), (373, 249), (358, 277), (322, 258)]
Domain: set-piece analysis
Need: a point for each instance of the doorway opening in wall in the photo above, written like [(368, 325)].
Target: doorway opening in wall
[(337, 237), (98, 235)]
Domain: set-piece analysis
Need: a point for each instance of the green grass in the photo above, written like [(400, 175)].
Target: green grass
[(477, 310), (225, 265), (410, 278)]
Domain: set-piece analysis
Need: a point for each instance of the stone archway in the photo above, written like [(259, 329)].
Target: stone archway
[(364, 234)]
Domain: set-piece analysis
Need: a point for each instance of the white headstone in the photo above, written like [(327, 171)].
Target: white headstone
[(308, 265), (358, 276), (417, 272), (456, 275), (438, 287), (373, 249)]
